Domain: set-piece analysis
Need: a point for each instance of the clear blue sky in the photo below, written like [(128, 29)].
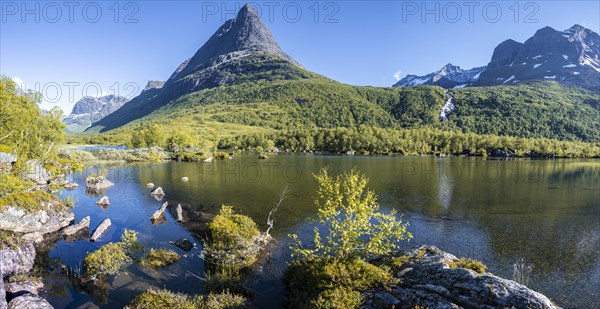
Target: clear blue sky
[(354, 42)]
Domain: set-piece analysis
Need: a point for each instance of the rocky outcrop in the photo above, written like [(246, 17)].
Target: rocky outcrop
[(29, 301), (3, 304), (91, 109), (17, 259), (54, 217), (36, 172), (430, 278), (101, 229), (98, 183), (15, 289)]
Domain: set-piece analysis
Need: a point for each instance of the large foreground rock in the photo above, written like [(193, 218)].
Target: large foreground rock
[(29, 301), (3, 304), (16, 259), (428, 281), (54, 217)]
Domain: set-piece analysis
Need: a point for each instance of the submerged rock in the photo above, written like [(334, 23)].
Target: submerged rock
[(183, 243), (101, 229), (158, 192), (98, 183), (160, 212), (29, 301), (104, 201), (71, 231), (430, 278)]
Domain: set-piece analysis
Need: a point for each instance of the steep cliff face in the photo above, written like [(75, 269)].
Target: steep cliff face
[(91, 109), (569, 57)]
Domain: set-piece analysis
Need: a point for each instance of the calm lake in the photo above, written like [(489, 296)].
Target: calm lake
[(537, 221)]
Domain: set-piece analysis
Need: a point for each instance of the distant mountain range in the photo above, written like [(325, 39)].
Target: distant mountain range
[(91, 109), (570, 57), (241, 81), (450, 76)]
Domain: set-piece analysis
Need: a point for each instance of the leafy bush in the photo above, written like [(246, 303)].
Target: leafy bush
[(330, 280), (107, 260), (163, 299), (232, 239), (355, 227), (159, 258), (338, 298), (33, 201), (468, 263)]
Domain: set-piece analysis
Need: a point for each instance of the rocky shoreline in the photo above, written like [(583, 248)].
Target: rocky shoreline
[(429, 278)]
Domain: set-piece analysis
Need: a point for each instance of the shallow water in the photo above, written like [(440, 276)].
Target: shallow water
[(543, 215)]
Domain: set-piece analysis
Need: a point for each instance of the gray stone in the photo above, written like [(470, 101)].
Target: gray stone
[(17, 259), (184, 179), (33, 237), (104, 201), (158, 192), (179, 213), (150, 185), (74, 229), (24, 287), (54, 217), (88, 305), (428, 280), (160, 212), (3, 304), (101, 229), (98, 183), (183, 243), (29, 301), (36, 172)]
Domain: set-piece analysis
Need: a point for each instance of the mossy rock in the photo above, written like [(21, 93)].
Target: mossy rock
[(159, 258)]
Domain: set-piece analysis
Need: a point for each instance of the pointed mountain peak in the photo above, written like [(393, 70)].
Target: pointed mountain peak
[(247, 11), (242, 35)]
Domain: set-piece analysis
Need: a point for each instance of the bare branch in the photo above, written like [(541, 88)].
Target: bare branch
[(8, 135), (283, 195)]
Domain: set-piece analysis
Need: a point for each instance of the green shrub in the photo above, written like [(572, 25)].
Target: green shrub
[(163, 299), (468, 263), (338, 298), (313, 281), (221, 155), (107, 260), (232, 239), (159, 258), (355, 227), (224, 300), (33, 201)]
